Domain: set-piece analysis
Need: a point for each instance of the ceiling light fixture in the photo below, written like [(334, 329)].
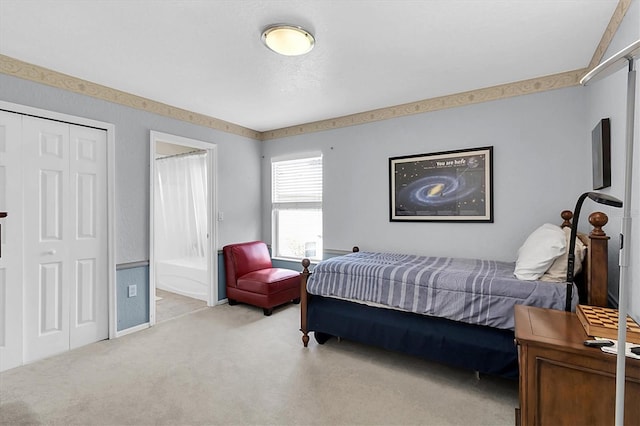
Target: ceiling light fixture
[(288, 40)]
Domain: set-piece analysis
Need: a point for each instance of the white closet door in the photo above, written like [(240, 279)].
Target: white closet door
[(47, 237), (11, 241), (65, 237), (88, 245)]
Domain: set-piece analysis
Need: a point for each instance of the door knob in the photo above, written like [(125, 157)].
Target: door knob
[(52, 251)]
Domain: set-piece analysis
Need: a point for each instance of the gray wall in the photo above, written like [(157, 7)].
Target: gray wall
[(607, 98), (542, 160)]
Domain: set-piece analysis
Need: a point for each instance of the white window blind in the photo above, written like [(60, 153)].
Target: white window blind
[(298, 181)]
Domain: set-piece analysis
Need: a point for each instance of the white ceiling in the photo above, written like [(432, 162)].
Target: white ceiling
[(206, 56)]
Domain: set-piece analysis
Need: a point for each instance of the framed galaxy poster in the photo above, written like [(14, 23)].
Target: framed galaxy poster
[(452, 186)]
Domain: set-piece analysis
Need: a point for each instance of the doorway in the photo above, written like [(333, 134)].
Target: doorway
[(183, 261)]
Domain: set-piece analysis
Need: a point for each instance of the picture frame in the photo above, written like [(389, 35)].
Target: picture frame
[(601, 154), (448, 186)]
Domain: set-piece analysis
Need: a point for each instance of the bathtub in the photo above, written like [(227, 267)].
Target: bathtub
[(187, 277)]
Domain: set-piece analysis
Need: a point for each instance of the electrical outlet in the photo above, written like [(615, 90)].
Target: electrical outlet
[(133, 290)]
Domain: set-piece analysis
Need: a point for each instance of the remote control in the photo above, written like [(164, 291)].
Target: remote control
[(598, 343)]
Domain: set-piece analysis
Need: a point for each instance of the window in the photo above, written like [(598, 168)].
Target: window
[(296, 198)]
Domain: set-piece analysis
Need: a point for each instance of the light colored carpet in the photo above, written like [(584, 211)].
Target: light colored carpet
[(232, 365)]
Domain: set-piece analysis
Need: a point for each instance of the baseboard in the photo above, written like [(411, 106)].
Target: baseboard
[(132, 329)]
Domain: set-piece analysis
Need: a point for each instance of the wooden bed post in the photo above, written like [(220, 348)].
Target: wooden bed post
[(596, 272), (566, 216), (304, 275), (598, 254)]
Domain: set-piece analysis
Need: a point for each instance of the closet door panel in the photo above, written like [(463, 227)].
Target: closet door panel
[(50, 298), (47, 271), (88, 249)]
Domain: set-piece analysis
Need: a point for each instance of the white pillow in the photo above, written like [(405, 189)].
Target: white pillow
[(558, 270), (539, 250)]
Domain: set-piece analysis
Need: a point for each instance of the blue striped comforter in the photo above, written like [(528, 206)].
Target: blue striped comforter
[(474, 291)]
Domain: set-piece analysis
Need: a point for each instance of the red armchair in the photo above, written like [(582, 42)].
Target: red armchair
[(252, 279)]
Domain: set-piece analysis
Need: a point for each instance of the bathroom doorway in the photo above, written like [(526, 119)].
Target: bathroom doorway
[(183, 259)]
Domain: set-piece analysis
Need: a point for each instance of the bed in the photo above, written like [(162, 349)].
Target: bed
[(443, 309)]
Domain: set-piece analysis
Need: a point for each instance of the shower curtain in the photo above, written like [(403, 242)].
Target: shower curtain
[(181, 208)]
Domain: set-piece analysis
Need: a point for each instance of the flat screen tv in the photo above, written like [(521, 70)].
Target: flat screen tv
[(601, 154)]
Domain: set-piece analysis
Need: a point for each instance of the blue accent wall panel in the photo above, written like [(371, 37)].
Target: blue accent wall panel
[(222, 286), (132, 311)]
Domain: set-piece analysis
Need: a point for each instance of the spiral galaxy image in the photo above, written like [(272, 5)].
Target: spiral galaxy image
[(440, 186)]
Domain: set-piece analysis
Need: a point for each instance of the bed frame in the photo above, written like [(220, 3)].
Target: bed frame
[(483, 349)]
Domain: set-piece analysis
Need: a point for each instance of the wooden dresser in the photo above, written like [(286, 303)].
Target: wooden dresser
[(563, 382)]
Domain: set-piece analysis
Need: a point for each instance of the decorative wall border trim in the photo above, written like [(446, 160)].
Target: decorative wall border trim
[(27, 71), (609, 32), (503, 91), (38, 74)]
